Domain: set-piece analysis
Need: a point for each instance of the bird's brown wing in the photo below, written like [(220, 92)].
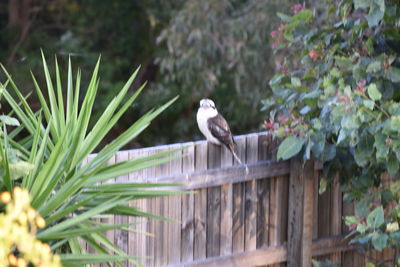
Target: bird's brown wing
[(219, 128)]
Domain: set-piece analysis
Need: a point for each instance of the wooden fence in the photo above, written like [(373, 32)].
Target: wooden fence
[(270, 215)]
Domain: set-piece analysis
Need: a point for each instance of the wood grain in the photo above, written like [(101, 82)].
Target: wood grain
[(300, 217), (250, 238), (268, 215), (109, 219), (226, 207), (347, 210), (218, 176), (187, 230), (336, 218), (200, 204), (151, 224), (263, 196), (121, 237), (213, 206), (161, 245), (295, 215), (271, 255), (308, 213), (238, 203), (175, 213)]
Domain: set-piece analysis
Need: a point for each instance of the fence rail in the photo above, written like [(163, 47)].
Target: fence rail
[(269, 215), (217, 177)]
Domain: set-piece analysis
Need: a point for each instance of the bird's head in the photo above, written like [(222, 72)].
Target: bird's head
[(207, 103)]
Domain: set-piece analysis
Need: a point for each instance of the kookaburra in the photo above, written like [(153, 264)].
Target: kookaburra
[(214, 127)]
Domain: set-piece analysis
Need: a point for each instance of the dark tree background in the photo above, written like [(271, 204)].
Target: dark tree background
[(192, 48)]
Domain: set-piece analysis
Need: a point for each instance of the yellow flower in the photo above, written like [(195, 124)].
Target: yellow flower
[(21, 262), (12, 260), (5, 197), (40, 222), (17, 191), (17, 232), (31, 213), (22, 218)]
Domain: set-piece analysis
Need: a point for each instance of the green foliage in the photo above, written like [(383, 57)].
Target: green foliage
[(217, 49), (376, 10), (123, 32), (289, 147), (337, 95), (195, 49), (45, 154)]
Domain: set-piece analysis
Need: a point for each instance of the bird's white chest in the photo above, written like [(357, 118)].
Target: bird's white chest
[(202, 117)]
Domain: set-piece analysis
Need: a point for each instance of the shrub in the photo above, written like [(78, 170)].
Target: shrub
[(45, 151), (336, 98)]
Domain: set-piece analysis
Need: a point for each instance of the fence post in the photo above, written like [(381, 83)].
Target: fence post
[(300, 214)]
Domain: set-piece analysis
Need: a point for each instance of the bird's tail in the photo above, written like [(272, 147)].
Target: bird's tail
[(236, 157), (233, 149)]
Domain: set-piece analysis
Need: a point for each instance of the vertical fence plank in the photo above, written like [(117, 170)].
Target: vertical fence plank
[(373, 256), (273, 212), (263, 192), (316, 205), (121, 237), (90, 249), (226, 207), (278, 218), (282, 230), (200, 203), (336, 209), (358, 259), (163, 233), (142, 205), (187, 243), (175, 210), (251, 196), (161, 226), (133, 237), (213, 205), (386, 254), (282, 233), (238, 203), (347, 257), (151, 223), (300, 218), (308, 210), (324, 215), (271, 199), (109, 218)]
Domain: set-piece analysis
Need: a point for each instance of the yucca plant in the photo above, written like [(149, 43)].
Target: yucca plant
[(55, 142)]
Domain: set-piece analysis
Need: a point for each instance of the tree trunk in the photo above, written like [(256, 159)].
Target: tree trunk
[(13, 12), (19, 20)]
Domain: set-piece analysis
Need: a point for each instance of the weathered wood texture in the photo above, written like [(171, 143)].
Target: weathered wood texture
[(300, 218), (268, 215)]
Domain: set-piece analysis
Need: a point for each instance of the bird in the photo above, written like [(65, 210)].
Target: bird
[(214, 127)]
